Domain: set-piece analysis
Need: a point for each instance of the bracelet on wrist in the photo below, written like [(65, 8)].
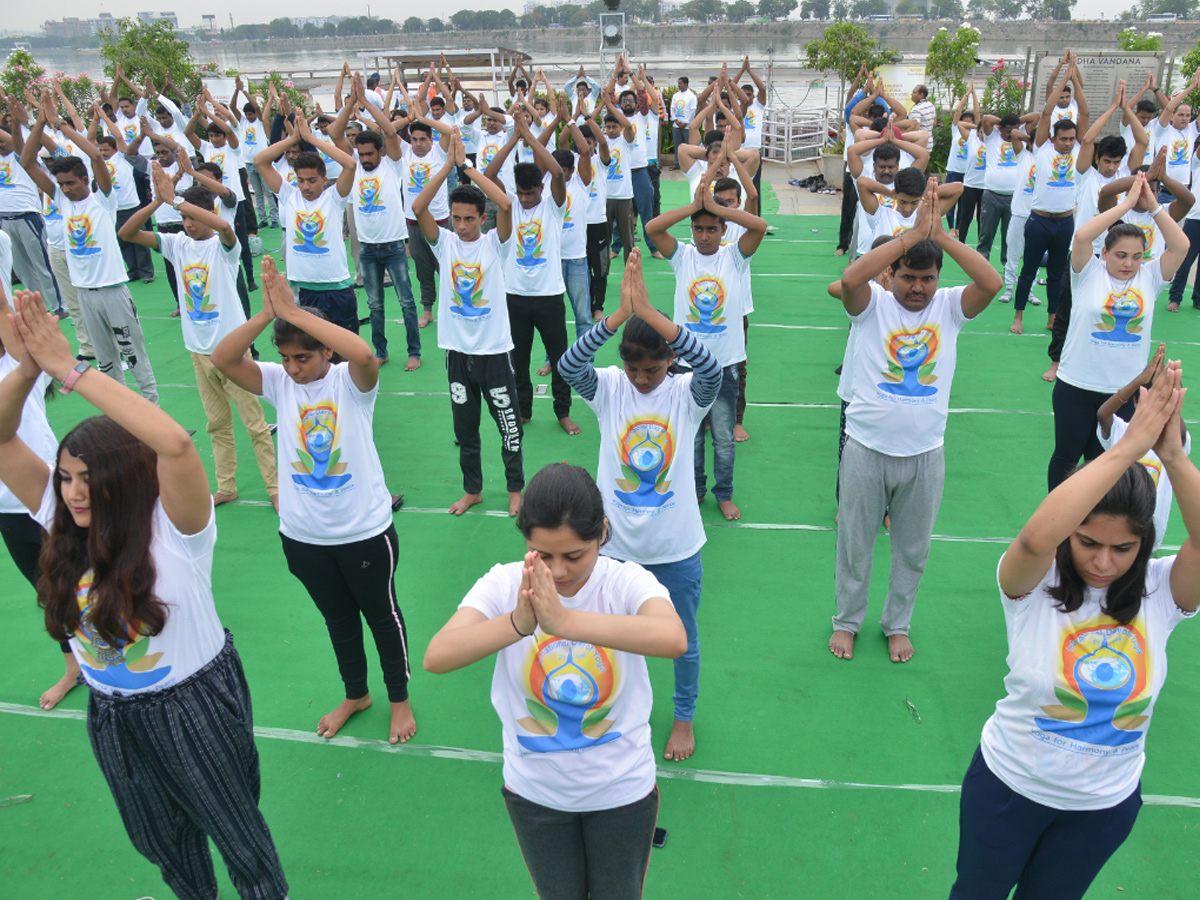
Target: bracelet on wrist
[(1156, 211), (515, 628)]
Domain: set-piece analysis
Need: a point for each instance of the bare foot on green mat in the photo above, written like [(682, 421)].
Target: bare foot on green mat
[(63, 687), (514, 503), (1017, 326), (544, 370), (841, 644), (468, 500), (682, 742), (404, 726), (331, 723), (569, 426), (900, 648), (729, 510), (740, 434), (1051, 373)]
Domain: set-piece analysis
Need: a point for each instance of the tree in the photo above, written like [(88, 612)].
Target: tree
[(740, 11), (282, 28), (844, 47), (950, 59), (997, 10), (945, 9), (860, 9), (841, 9), (703, 10), (149, 49), (776, 9), (1133, 41), (815, 9), (413, 25), (1051, 10), (465, 20), (911, 8), (435, 25)]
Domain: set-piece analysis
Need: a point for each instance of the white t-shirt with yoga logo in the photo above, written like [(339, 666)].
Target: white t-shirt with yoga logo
[(707, 300), (34, 430), (646, 472), (1179, 146), (377, 202), (1002, 167), (903, 370), (417, 172), (533, 267), (312, 239), (1056, 179), (206, 275), (977, 161), (331, 486), (90, 225), (575, 717), (251, 139), (229, 161), (574, 221), (1022, 203), (472, 297), (192, 635), (1108, 337), (1081, 689), (619, 173), (888, 221), (957, 161), (120, 172), (1164, 496), (597, 208)]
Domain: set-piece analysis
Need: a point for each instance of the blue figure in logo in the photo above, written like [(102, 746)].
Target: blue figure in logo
[(79, 233), (910, 352), (529, 236), (368, 196), (1123, 313), (319, 428), (647, 451), (468, 290), (570, 690), (708, 299), (310, 232), (1106, 679)]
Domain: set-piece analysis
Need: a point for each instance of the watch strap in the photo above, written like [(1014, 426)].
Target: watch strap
[(73, 376)]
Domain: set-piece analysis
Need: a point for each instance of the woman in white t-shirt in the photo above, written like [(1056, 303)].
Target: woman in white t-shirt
[(570, 628), (335, 512), (1054, 788), (127, 579), (1112, 311), (648, 417)]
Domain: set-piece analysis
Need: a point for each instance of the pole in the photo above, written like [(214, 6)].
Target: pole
[(1027, 78)]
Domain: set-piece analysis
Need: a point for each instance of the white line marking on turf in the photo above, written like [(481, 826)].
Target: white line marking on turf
[(706, 776)]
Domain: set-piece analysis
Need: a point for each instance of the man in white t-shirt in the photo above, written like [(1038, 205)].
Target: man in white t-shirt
[(711, 303), (905, 354), (93, 255), (122, 167), (1175, 132), (205, 256), (1059, 160), (622, 136), (999, 182), (683, 110), (313, 251), (473, 324)]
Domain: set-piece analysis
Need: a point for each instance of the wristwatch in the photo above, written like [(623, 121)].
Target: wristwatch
[(467, 164), (73, 376), (177, 202)]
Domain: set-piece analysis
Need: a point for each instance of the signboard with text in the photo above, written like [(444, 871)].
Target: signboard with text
[(1100, 72), (900, 79)]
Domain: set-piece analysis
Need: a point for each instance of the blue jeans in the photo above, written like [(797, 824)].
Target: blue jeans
[(1051, 236), (682, 581), (372, 260), (1006, 840), (579, 291), (721, 419), (1191, 227)]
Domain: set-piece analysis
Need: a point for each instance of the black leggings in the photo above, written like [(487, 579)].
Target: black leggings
[(23, 537), (547, 315), (969, 207), (1075, 428), (599, 237), (349, 583)]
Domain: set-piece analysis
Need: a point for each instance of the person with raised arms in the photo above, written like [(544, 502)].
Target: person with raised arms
[(648, 417)]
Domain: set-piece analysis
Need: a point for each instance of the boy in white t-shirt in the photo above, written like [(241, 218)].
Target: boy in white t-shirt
[(473, 324), (905, 354), (710, 302), (621, 135), (205, 256), (314, 254), (94, 259)]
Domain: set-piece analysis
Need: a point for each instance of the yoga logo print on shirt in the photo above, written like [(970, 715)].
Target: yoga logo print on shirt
[(647, 448), (126, 666), (1062, 172), (6, 175), (195, 303), (961, 153), (614, 163), (130, 132), (318, 468), (1032, 182), (707, 298), (567, 223), (529, 244), (310, 233), (1102, 689), (368, 196), (112, 175), (50, 210), (1148, 232), (980, 157), (911, 359), (1007, 158), (1121, 320), (81, 234), (571, 689), (1178, 155), (467, 281), (418, 176), (489, 153)]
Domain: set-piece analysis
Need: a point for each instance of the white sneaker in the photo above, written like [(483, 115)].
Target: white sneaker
[(1034, 301), (1006, 297)]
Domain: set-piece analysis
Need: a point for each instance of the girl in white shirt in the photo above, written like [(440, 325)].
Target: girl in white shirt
[(1054, 789), (335, 512), (570, 629), (1108, 337), (127, 579)]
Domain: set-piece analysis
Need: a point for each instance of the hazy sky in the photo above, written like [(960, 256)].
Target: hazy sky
[(30, 16)]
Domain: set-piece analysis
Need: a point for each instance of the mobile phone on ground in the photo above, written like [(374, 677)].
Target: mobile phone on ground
[(660, 838)]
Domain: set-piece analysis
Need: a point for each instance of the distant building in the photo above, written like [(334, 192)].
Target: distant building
[(670, 6), (68, 28), (103, 21), (532, 5), (149, 18)]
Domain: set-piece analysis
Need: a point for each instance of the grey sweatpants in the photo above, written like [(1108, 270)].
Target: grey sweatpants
[(31, 257), (58, 265), (909, 490), (112, 324)]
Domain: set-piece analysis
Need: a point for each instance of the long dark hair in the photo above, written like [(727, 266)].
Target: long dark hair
[(284, 332), (562, 494), (1131, 498), (122, 477)]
